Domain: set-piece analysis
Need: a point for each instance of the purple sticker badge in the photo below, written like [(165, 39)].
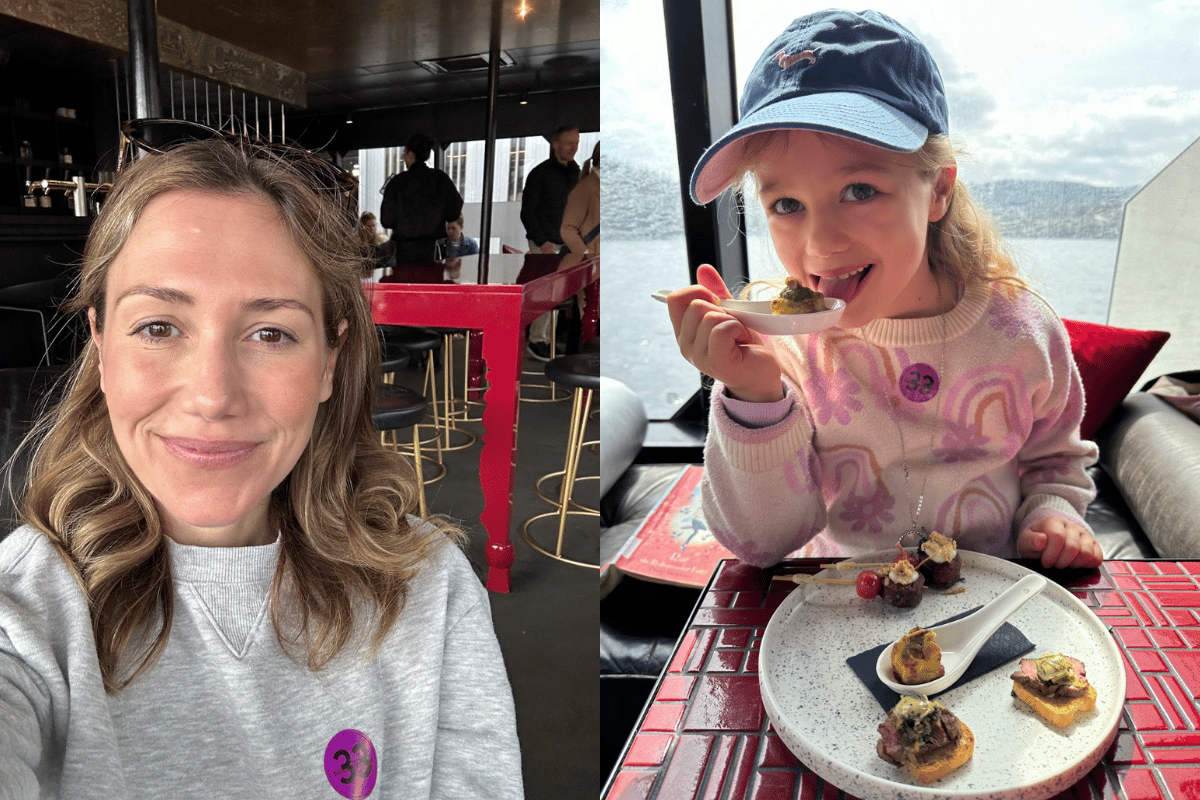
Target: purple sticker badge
[(919, 383), (350, 764)]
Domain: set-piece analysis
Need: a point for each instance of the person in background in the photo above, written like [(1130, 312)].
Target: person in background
[(417, 204), (543, 200), (581, 218), (456, 244), (946, 397), (220, 573), (373, 242)]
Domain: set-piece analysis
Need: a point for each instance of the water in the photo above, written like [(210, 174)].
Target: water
[(638, 344)]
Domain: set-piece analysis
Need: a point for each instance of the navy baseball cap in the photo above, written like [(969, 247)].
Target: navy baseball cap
[(864, 76)]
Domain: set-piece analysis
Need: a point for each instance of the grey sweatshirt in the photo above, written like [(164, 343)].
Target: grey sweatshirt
[(224, 713)]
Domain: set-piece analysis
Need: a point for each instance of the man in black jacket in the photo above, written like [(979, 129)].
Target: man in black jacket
[(417, 204), (542, 202)]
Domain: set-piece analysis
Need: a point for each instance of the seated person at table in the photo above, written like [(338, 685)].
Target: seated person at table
[(456, 244), (374, 242), (221, 591), (946, 397)]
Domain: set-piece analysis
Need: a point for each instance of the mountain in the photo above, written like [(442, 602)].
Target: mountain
[(1054, 209), (639, 203)]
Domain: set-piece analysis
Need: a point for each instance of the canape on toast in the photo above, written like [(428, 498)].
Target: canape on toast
[(925, 738), (1055, 686)]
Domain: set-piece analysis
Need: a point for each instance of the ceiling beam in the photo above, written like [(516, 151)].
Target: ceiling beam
[(183, 49)]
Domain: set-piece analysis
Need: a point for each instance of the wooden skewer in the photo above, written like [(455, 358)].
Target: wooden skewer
[(802, 578), (842, 565)]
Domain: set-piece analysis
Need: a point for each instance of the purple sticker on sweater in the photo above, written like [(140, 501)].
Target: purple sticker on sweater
[(350, 764), (919, 383)]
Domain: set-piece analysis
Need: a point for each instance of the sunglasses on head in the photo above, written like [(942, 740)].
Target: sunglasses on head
[(158, 135)]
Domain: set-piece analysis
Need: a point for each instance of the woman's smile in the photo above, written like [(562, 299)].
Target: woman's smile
[(208, 453)]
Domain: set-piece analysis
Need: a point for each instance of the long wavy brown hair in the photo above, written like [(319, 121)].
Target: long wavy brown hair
[(963, 244), (342, 511)]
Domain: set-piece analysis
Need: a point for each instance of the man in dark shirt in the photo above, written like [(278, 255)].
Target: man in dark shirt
[(542, 202), (417, 204), (546, 190)]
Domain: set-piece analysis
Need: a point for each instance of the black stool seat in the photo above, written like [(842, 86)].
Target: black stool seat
[(581, 370), (445, 331), (410, 337), (397, 407), (394, 357)]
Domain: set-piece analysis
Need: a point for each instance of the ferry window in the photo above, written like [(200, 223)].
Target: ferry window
[(1058, 131), (1057, 134), (641, 207)]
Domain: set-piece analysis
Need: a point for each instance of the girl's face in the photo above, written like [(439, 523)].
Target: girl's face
[(850, 220), (213, 361)]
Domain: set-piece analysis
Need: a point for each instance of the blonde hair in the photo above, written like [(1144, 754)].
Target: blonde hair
[(342, 510), (963, 244)]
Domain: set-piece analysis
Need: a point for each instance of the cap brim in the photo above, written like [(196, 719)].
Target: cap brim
[(850, 114)]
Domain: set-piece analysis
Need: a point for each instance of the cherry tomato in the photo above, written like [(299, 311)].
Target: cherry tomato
[(911, 557), (868, 584)]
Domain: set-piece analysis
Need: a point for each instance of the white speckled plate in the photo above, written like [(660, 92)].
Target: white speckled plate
[(827, 717)]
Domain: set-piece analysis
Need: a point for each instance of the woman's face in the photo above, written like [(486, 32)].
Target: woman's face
[(212, 361), (850, 220)]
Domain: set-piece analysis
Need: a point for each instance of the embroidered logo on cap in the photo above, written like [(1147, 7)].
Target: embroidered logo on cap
[(786, 61)]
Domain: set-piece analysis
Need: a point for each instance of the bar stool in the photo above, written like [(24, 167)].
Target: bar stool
[(450, 413), (581, 371), (395, 408), (427, 342), (393, 358), (549, 386)]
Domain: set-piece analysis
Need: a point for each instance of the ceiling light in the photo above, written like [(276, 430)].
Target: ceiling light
[(523, 9), (524, 98)]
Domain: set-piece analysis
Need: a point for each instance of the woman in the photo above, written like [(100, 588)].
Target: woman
[(219, 591), (581, 218)]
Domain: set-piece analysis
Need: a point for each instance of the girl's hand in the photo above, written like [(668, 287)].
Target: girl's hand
[(1059, 543), (720, 346)]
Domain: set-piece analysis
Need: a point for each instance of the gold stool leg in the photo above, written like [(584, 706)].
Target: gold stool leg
[(579, 414), (420, 471)]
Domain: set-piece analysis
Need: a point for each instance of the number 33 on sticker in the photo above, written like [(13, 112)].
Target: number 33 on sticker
[(350, 764)]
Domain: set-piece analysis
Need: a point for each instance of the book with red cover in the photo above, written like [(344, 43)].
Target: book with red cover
[(673, 544)]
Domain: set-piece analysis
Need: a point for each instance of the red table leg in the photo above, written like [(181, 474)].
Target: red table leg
[(502, 348), (591, 311)]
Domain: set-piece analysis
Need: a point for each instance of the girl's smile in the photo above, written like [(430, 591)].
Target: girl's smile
[(850, 220)]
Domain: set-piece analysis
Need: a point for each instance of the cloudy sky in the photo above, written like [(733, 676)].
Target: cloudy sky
[(1105, 92)]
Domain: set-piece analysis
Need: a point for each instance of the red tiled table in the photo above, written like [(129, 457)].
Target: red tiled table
[(519, 289), (706, 735)]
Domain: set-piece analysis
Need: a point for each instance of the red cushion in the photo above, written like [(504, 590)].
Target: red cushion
[(1110, 361)]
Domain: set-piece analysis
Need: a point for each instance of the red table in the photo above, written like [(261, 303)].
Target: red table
[(520, 287), (705, 733)]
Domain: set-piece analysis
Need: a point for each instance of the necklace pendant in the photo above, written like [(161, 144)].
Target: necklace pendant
[(913, 536)]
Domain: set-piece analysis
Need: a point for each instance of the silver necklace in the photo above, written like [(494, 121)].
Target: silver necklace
[(912, 383)]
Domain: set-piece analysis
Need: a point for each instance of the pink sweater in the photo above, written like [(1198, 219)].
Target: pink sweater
[(828, 476)]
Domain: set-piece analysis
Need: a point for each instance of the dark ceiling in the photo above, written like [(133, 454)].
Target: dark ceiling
[(362, 61), (365, 56)]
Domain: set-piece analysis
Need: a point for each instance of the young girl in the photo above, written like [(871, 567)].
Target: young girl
[(946, 398)]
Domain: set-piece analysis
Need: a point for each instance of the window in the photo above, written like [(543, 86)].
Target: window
[(643, 243), (456, 163), (1058, 133), (516, 169), (464, 163)]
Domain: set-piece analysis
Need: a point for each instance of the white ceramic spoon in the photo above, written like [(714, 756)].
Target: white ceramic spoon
[(756, 315), (961, 639)]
